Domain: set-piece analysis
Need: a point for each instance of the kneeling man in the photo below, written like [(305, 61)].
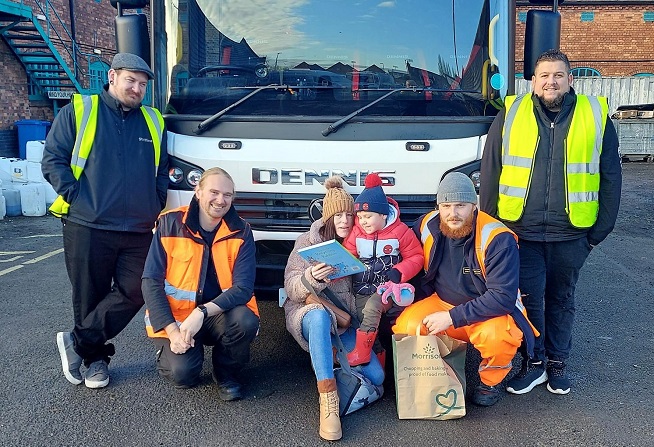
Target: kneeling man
[(198, 287), (471, 283)]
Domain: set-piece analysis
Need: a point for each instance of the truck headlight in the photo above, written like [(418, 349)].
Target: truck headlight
[(193, 177), (175, 175), (476, 179)]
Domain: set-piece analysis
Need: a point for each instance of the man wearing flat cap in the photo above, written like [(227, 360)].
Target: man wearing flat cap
[(470, 283), (105, 155)]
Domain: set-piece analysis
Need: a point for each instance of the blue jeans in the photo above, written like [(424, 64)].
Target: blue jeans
[(316, 329), (548, 277)]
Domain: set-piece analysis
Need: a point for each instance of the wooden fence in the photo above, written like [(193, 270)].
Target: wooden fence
[(619, 91)]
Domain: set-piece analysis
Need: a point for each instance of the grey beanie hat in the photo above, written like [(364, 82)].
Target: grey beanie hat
[(456, 187), (131, 62)]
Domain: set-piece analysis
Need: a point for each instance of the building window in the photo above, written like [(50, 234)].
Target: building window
[(581, 72), (98, 72), (522, 17), (587, 16), (648, 16), (644, 74)]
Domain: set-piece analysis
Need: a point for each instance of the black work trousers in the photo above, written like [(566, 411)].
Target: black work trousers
[(548, 277), (230, 333), (105, 269)]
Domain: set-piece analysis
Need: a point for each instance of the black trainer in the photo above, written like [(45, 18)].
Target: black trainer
[(530, 376), (558, 381), (228, 387), (485, 395)]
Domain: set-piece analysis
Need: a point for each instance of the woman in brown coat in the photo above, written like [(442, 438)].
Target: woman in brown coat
[(311, 324)]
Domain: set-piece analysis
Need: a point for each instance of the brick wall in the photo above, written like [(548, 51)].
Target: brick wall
[(617, 42), (94, 30), (14, 104), (8, 143)]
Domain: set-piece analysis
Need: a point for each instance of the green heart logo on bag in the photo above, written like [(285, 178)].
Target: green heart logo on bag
[(448, 401)]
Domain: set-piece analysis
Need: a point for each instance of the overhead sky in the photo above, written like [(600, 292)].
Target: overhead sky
[(385, 33)]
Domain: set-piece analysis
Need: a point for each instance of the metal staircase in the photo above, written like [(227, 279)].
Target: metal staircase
[(41, 41)]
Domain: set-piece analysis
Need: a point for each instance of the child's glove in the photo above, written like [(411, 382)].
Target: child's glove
[(394, 275), (402, 293)]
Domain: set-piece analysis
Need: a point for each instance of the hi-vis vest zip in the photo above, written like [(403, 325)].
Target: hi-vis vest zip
[(583, 147), (86, 122)]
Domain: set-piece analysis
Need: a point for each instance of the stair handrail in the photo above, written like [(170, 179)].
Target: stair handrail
[(73, 54), (67, 42)]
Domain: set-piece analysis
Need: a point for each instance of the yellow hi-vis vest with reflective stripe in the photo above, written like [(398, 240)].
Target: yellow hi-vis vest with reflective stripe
[(583, 147), (86, 122)]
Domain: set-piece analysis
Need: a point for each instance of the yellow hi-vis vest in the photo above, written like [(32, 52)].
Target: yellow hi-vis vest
[(583, 147), (86, 123)]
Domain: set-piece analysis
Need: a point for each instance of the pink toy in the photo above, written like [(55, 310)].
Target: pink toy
[(402, 293)]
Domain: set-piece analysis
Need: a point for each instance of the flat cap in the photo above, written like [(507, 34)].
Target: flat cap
[(131, 62)]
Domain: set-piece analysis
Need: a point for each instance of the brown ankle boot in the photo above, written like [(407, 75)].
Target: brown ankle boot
[(330, 421), (363, 347)]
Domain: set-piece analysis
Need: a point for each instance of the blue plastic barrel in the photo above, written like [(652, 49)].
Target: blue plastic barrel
[(30, 130)]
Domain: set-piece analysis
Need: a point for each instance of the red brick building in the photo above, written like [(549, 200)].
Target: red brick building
[(600, 37), (92, 26)]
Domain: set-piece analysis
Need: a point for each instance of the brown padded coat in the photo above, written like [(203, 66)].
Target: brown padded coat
[(295, 306)]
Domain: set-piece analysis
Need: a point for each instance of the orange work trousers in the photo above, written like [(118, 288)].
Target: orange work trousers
[(497, 339)]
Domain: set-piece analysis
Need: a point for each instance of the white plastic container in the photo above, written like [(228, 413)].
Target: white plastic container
[(50, 194), (34, 150), (3, 207), (18, 170), (12, 202), (34, 173), (32, 199), (5, 166)]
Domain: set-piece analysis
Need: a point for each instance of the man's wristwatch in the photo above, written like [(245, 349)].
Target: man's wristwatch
[(203, 309)]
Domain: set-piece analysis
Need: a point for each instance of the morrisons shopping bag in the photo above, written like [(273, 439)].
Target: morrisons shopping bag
[(429, 376)]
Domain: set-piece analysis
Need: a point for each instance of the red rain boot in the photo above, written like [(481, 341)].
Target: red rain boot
[(381, 356), (363, 348)]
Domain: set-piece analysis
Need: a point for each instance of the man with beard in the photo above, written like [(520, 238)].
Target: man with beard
[(471, 283), (197, 283), (106, 158), (551, 172)]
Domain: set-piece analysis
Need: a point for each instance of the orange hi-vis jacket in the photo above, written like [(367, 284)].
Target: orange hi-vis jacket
[(179, 256), (485, 230)]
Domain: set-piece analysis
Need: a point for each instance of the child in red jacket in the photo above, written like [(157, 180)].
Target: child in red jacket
[(392, 255)]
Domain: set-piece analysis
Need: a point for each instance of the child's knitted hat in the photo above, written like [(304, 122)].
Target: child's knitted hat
[(372, 198)]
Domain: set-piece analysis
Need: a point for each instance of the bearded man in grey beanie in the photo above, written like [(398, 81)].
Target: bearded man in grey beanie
[(470, 284)]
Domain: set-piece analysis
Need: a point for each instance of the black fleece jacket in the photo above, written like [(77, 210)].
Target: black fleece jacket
[(119, 189), (545, 218)]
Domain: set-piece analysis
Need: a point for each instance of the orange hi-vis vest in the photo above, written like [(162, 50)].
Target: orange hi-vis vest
[(486, 229), (184, 267)]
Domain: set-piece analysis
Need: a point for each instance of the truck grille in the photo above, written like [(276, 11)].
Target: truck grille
[(289, 212)]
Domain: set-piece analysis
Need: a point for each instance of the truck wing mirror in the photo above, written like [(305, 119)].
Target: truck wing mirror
[(542, 33)]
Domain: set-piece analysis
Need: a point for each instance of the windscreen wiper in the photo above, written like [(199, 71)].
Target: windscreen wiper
[(336, 125), (208, 123)]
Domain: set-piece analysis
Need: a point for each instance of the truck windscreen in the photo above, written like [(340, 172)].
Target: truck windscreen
[(333, 57)]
